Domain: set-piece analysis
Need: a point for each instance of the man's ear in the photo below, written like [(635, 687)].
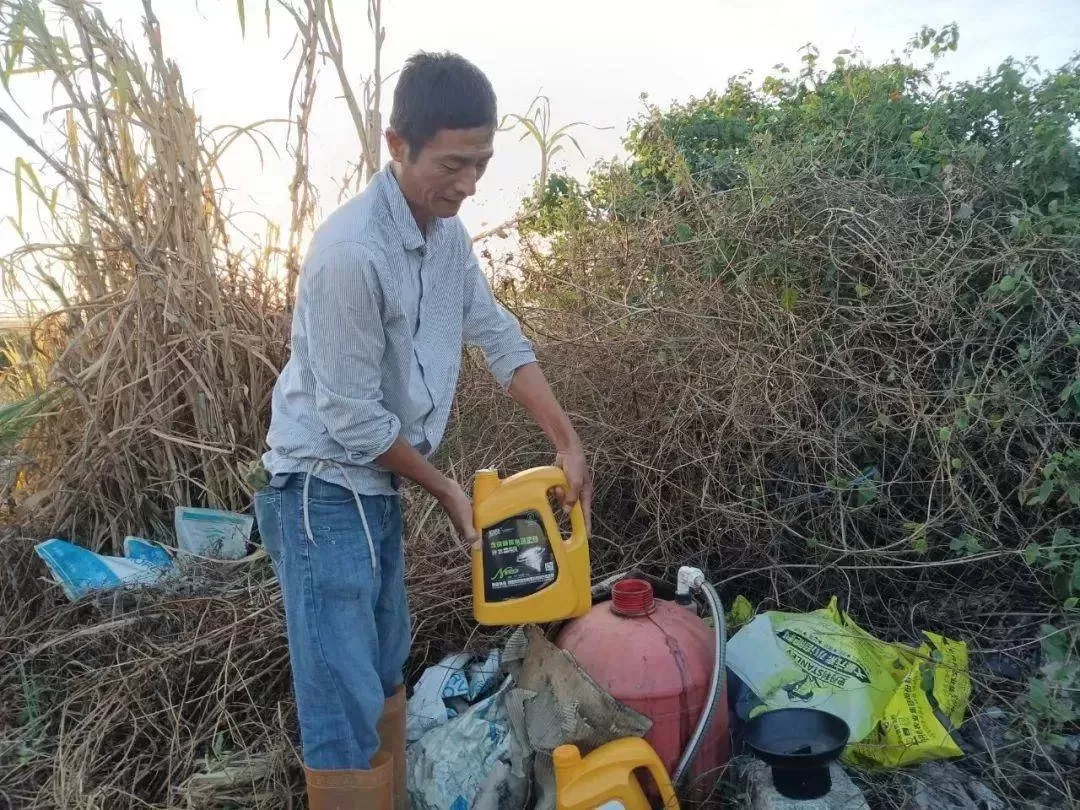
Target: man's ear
[(399, 149)]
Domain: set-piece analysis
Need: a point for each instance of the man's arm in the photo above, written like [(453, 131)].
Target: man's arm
[(346, 343), (404, 459), (339, 302), (489, 326), (530, 389), (512, 362)]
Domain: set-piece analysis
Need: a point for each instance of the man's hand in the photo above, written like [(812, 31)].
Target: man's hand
[(403, 459), (458, 506), (579, 484), (530, 389)]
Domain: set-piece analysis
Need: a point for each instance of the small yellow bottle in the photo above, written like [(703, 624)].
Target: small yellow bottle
[(523, 571), (605, 780)]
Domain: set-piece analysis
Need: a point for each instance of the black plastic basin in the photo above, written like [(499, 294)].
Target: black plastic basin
[(799, 745)]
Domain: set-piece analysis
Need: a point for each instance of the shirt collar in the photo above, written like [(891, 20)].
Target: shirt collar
[(411, 237)]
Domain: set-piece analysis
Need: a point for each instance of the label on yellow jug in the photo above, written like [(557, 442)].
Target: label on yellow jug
[(518, 560)]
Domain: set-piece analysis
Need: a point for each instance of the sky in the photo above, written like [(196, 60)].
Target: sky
[(592, 58)]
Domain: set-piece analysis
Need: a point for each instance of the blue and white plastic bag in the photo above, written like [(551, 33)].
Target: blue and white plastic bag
[(80, 571)]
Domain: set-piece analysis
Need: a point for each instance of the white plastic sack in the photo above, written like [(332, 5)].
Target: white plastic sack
[(465, 763), (212, 532), (446, 689)]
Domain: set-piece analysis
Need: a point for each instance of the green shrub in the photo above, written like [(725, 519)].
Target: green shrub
[(844, 269)]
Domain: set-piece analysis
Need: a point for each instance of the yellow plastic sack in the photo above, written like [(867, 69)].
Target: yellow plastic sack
[(900, 702), (915, 725)]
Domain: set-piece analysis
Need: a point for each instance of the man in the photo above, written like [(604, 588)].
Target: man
[(389, 293)]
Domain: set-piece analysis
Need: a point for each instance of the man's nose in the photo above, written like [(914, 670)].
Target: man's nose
[(466, 182)]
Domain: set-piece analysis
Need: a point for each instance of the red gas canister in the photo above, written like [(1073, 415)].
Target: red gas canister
[(656, 657)]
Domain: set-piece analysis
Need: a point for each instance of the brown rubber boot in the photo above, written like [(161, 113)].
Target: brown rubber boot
[(392, 741), (372, 789)]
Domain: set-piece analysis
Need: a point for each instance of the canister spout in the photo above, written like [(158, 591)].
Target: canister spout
[(484, 483)]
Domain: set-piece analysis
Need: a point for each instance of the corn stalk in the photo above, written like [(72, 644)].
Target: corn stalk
[(536, 123), (162, 355), (319, 33), (302, 194)]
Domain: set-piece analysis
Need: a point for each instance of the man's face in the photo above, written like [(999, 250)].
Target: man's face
[(438, 180)]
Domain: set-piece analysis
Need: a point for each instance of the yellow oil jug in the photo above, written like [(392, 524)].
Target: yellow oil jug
[(605, 780), (523, 571)]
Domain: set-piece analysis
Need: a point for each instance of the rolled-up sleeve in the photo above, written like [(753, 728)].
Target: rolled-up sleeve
[(346, 341), (489, 326)]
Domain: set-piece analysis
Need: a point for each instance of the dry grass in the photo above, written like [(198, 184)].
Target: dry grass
[(159, 366), (144, 700), (725, 418), (173, 326), (737, 361)]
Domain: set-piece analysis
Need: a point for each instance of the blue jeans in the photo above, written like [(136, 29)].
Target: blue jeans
[(348, 625)]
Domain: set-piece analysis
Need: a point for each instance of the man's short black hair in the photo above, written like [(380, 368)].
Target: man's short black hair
[(440, 91)]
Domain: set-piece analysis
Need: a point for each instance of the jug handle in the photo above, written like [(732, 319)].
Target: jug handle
[(553, 477), (636, 752), (668, 800), (578, 532)]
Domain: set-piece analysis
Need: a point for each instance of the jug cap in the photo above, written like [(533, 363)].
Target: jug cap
[(632, 597), (566, 756)]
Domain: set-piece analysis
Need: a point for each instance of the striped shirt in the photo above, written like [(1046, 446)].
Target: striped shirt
[(382, 314)]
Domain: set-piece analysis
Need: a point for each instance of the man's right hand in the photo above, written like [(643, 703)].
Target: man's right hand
[(403, 459), (459, 507)]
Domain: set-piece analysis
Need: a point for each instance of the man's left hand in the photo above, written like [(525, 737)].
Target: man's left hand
[(579, 484), (530, 389)]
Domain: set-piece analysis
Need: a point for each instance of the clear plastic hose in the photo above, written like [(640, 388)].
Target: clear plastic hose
[(715, 691)]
